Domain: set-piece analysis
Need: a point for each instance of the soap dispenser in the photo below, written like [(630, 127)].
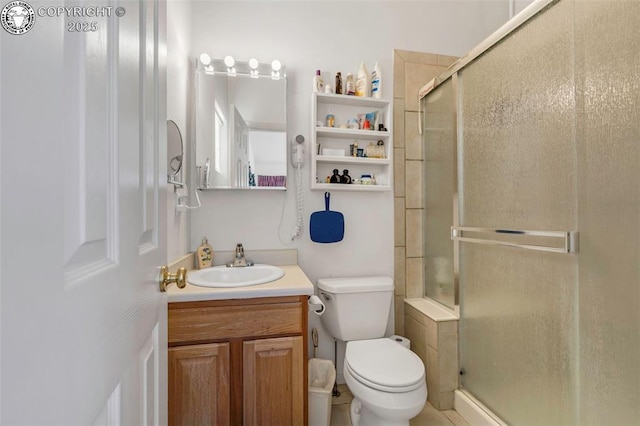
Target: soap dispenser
[(204, 255)]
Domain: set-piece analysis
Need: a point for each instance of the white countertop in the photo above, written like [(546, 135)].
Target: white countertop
[(294, 283)]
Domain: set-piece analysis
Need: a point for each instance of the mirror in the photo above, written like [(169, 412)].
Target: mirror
[(175, 153), (241, 138)]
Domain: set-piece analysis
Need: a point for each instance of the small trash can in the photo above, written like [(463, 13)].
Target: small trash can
[(322, 376)]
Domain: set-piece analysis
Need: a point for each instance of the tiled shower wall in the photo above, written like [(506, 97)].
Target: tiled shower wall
[(434, 342), (411, 71)]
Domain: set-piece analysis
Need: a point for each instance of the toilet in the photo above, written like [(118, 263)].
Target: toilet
[(386, 379)]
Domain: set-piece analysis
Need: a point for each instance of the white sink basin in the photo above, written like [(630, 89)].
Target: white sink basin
[(224, 277)]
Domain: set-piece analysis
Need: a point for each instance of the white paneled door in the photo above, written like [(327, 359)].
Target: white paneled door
[(82, 216)]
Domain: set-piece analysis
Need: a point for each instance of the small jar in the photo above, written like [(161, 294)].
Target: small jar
[(365, 179)]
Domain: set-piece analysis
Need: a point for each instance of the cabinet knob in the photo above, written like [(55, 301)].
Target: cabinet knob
[(166, 278)]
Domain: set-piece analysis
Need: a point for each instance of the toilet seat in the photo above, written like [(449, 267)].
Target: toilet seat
[(384, 365)]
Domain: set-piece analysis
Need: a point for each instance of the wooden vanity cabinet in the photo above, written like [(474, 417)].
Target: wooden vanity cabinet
[(199, 384), (238, 362)]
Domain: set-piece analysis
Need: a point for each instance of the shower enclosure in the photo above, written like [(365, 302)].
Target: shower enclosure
[(532, 213)]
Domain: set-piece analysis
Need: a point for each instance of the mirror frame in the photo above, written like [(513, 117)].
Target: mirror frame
[(174, 178), (242, 70)]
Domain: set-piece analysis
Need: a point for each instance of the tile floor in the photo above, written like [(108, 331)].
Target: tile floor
[(429, 415)]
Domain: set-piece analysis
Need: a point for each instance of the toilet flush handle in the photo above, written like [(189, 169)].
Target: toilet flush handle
[(325, 296)]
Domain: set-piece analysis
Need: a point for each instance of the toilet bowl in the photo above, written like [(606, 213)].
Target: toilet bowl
[(387, 381)]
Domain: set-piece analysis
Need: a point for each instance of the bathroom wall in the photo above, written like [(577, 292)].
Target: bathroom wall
[(331, 36), (178, 95)]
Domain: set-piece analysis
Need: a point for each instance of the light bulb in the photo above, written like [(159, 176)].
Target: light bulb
[(253, 63), (229, 61), (205, 59), (276, 65)]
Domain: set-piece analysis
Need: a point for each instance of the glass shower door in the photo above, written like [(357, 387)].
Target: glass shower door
[(517, 171), (608, 135), (439, 138)]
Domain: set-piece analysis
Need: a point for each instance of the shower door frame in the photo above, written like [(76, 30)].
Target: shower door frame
[(502, 32)]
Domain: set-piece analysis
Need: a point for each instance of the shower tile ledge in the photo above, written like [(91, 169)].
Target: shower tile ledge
[(432, 309)]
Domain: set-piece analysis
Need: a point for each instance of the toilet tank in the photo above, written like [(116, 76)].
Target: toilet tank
[(356, 308)]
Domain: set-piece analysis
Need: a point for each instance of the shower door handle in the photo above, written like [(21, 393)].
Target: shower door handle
[(569, 239)]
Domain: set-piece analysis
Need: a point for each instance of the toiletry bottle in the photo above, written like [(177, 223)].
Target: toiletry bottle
[(204, 255), (355, 148), (338, 84), (318, 83), (336, 177), (350, 85), (362, 82), (331, 120), (345, 177), (376, 82)]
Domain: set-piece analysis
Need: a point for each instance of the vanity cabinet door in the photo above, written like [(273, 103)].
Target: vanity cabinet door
[(274, 381), (199, 385)]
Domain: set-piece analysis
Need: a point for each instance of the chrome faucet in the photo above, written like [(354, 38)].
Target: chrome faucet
[(239, 260)]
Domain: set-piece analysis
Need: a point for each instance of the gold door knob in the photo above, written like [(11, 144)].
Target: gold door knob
[(166, 278)]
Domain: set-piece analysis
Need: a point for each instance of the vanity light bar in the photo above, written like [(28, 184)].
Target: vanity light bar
[(231, 67)]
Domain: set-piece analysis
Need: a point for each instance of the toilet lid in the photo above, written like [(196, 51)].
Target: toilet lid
[(384, 365)]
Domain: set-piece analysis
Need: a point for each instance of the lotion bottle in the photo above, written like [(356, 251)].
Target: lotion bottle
[(350, 85), (204, 255), (376, 83), (362, 81), (318, 83)]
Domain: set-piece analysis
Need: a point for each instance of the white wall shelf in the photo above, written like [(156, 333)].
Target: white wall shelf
[(364, 101), (344, 108), (345, 187), (351, 160), (333, 132)]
